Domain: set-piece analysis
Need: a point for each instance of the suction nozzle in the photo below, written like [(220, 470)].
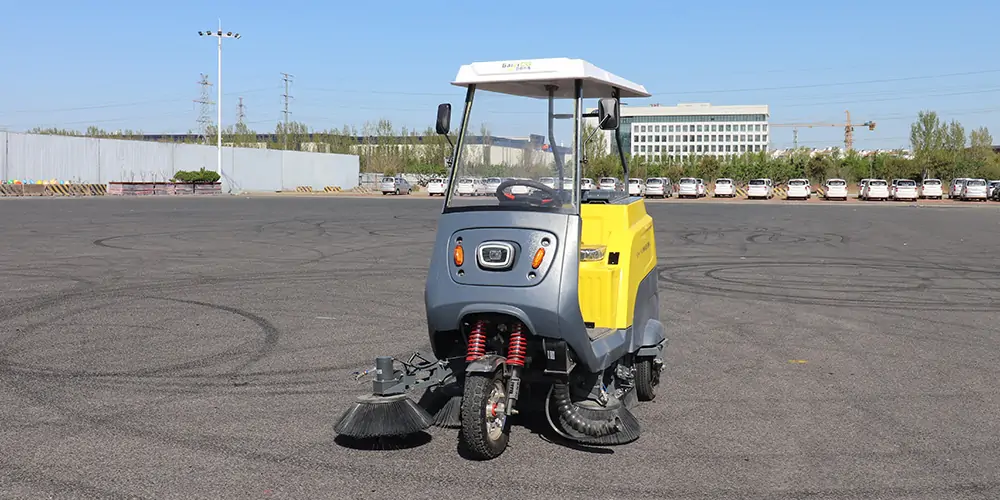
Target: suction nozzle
[(373, 416)]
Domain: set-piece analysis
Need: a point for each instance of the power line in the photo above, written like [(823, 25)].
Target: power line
[(204, 115), (832, 84), (126, 104), (287, 79)]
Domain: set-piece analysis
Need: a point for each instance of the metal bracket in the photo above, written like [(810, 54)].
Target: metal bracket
[(417, 372)]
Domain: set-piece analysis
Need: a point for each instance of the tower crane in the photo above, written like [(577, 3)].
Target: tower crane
[(848, 129)]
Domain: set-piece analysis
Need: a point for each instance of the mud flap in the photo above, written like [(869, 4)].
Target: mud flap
[(486, 364)]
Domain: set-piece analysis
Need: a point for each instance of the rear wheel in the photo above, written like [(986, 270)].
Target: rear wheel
[(485, 428), (647, 377)]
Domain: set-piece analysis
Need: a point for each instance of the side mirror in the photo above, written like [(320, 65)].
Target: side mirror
[(444, 119), (607, 113)]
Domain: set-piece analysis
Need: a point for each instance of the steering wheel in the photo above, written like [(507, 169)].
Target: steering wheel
[(547, 196)]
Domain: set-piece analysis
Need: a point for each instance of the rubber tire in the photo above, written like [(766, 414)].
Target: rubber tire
[(646, 379), (473, 436)]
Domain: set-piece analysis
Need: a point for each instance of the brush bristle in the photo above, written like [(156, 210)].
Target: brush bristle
[(445, 404), (382, 416), (450, 415)]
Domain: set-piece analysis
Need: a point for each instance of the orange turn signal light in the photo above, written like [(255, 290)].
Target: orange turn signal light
[(459, 255), (537, 260)]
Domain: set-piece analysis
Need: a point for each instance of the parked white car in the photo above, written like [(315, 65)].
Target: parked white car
[(469, 186), (636, 187), (931, 188), (491, 184), (659, 186), (395, 185), (724, 187), (586, 184), (876, 189), (835, 189), (991, 188), (904, 189), (974, 189), (610, 183), (760, 188), (690, 187), (437, 186), (549, 182), (798, 189), (955, 189)]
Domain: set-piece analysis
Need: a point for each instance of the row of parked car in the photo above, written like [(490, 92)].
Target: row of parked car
[(908, 189), (763, 188)]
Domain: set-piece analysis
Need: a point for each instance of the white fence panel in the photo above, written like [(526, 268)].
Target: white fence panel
[(319, 170), (135, 161), (3, 157), (254, 170), (32, 157)]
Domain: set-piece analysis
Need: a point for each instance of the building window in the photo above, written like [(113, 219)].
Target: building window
[(743, 148), (729, 128), (656, 149), (756, 128), (713, 137), (728, 148), (729, 138), (699, 128), (765, 128), (765, 137), (671, 129), (756, 137), (713, 148), (713, 127)]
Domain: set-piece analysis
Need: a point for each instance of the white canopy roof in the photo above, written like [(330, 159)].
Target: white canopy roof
[(529, 77)]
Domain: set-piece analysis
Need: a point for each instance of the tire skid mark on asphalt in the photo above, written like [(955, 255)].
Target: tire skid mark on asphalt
[(671, 277)]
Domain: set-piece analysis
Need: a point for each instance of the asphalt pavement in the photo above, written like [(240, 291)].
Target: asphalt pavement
[(203, 347)]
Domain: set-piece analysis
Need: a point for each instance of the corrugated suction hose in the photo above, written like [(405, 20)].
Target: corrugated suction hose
[(579, 423)]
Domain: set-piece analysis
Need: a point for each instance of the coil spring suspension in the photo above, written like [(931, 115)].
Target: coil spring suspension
[(517, 349), (477, 342)]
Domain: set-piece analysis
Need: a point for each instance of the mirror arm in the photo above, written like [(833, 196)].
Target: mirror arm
[(618, 139)]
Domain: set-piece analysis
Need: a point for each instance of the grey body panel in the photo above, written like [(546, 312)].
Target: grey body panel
[(548, 305)]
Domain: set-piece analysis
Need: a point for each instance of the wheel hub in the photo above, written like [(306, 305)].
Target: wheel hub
[(496, 414)]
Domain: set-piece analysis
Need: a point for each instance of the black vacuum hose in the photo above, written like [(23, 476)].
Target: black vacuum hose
[(579, 423)]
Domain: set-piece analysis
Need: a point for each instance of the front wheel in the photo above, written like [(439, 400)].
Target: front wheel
[(485, 428)]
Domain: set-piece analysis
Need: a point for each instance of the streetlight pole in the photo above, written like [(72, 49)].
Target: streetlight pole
[(218, 105)]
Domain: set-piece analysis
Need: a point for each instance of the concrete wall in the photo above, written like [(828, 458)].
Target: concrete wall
[(87, 160)]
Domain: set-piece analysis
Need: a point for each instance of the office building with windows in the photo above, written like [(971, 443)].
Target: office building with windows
[(698, 129)]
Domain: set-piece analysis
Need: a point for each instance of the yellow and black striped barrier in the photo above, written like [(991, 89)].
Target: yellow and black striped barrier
[(741, 191), (304, 189), (781, 191), (332, 189), (820, 191), (53, 189)]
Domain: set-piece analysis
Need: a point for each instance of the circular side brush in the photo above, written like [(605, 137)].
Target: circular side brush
[(372, 416)]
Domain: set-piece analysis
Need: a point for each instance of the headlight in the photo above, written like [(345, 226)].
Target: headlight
[(592, 253)]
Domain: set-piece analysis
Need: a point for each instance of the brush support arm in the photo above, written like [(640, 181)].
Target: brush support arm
[(415, 373)]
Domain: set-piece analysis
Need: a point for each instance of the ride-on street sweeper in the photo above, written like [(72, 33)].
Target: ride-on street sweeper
[(541, 298)]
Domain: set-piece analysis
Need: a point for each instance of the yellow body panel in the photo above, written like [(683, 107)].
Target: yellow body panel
[(608, 292)]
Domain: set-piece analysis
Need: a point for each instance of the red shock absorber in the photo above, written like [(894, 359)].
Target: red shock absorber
[(518, 347), (477, 342)]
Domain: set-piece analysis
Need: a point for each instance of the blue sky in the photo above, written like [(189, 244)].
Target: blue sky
[(118, 64)]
